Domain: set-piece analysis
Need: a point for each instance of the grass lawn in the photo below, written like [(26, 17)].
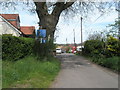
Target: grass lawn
[(29, 73)]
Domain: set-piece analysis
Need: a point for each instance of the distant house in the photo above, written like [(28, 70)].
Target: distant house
[(28, 31), (10, 24)]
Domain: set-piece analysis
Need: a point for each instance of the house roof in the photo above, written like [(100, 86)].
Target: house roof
[(11, 18), (10, 25), (27, 30)]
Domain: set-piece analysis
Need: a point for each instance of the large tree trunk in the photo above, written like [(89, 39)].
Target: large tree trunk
[(49, 21)]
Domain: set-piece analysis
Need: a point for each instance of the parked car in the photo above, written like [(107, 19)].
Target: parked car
[(58, 50), (79, 48), (63, 51), (74, 51)]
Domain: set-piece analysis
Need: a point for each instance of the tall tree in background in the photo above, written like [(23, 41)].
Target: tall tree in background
[(116, 26)]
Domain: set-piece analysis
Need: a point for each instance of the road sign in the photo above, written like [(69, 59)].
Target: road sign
[(41, 34)]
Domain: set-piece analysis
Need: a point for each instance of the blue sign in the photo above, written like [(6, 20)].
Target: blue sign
[(41, 32)]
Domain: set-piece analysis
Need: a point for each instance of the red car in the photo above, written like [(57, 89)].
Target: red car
[(73, 49)]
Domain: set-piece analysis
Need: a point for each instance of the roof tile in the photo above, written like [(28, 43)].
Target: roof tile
[(11, 18), (27, 30)]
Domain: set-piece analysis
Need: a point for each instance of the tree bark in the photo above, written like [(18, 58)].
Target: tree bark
[(49, 21)]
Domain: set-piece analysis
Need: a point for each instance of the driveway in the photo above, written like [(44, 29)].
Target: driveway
[(78, 72)]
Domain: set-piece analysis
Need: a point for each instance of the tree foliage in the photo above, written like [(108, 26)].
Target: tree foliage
[(115, 31)]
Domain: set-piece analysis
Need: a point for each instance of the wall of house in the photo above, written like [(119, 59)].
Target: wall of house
[(7, 29)]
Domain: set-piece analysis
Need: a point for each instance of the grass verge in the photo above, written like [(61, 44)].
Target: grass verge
[(112, 62), (29, 73)]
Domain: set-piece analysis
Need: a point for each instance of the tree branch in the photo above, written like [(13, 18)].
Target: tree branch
[(41, 7), (60, 6), (68, 4)]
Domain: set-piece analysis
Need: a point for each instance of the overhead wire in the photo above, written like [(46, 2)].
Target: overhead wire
[(100, 15), (76, 26)]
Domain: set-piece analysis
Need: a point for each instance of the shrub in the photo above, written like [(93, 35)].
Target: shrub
[(93, 47), (14, 48), (43, 49), (97, 48), (112, 62), (112, 47)]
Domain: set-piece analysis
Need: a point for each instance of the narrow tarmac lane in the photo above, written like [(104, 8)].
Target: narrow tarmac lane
[(78, 72)]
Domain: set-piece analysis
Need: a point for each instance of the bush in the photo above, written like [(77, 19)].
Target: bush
[(105, 53), (93, 47), (112, 62), (14, 48), (112, 47), (43, 49), (97, 48)]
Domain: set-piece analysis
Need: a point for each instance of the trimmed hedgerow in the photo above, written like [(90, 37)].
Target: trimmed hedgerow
[(14, 48)]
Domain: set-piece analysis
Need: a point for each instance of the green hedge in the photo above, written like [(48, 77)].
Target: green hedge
[(112, 47), (98, 48), (112, 62), (14, 48), (42, 50), (93, 47), (105, 53)]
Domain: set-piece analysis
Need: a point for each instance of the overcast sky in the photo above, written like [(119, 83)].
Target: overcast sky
[(65, 27)]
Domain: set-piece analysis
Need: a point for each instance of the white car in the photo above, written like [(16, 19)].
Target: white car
[(74, 51), (79, 48), (58, 50)]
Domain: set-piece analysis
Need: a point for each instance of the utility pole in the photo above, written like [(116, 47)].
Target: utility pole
[(81, 32), (74, 37), (66, 41)]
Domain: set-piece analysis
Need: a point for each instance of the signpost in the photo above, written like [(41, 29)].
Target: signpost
[(41, 35)]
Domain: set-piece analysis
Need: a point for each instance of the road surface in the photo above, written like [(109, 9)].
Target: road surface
[(78, 72)]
